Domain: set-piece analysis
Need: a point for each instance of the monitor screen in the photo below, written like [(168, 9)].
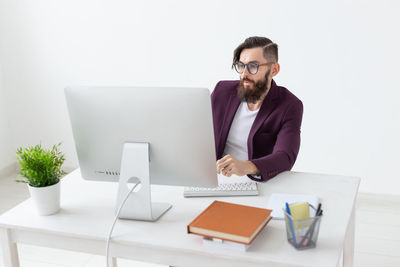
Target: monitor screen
[(175, 122)]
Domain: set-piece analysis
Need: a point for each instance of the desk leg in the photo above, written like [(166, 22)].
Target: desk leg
[(348, 247), (112, 262), (9, 249)]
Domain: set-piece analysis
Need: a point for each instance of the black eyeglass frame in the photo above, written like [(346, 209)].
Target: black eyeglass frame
[(255, 64)]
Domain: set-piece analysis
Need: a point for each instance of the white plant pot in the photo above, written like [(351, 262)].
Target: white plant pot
[(46, 199)]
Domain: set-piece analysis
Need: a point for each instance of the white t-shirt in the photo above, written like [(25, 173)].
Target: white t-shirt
[(236, 144)]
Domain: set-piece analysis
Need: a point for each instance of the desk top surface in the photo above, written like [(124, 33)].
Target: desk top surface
[(88, 210)]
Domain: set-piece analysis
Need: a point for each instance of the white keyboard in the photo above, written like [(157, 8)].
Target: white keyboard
[(223, 190)]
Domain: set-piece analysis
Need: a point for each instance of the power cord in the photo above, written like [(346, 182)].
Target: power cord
[(115, 220)]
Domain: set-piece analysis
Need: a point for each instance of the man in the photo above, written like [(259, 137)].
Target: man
[(256, 122)]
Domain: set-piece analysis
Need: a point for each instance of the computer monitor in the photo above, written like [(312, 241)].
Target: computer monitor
[(156, 135)]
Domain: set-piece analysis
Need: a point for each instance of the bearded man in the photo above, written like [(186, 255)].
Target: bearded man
[(256, 122)]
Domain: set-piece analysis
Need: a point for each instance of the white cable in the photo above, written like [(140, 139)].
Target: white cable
[(115, 220)]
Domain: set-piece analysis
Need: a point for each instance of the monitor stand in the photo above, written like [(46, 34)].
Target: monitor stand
[(135, 168)]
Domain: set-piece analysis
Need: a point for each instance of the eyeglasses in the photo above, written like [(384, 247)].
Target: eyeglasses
[(252, 67)]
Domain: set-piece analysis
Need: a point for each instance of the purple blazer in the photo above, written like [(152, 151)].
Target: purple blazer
[(274, 139)]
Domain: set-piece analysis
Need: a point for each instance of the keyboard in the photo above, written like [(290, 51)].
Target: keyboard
[(223, 190)]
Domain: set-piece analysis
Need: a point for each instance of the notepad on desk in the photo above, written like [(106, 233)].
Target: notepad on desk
[(277, 202)]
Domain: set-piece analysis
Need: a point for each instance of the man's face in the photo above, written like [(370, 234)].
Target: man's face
[(253, 86)]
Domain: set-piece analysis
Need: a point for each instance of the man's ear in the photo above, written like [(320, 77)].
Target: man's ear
[(275, 69)]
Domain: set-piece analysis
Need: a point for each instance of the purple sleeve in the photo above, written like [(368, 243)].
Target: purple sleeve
[(286, 148)]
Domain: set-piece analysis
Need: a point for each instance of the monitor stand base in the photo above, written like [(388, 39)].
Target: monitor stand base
[(135, 169)]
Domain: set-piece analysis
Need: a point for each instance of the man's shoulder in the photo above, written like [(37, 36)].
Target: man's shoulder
[(287, 96), (227, 86)]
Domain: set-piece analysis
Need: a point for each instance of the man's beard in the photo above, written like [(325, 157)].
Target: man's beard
[(252, 95)]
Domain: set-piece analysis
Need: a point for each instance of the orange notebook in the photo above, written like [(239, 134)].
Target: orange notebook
[(232, 222)]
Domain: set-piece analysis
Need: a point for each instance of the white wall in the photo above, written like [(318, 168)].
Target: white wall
[(7, 154), (341, 58)]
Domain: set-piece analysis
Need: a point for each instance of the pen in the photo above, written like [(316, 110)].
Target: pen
[(318, 209), (291, 225), (310, 231), (319, 213)]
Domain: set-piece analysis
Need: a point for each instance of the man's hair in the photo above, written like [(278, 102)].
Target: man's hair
[(270, 48)]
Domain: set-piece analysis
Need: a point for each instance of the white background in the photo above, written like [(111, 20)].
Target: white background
[(6, 145), (341, 58)]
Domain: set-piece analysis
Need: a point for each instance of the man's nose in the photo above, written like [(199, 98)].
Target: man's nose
[(245, 73)]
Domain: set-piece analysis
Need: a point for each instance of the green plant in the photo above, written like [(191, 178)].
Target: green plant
[(39, 166)]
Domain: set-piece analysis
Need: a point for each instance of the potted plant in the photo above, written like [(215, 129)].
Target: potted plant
[(41, 170)]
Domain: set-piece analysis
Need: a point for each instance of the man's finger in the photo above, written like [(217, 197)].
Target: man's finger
[(222, 165), (227, 171), (224, 159), (219, 169), (223, 170), (227, 156)]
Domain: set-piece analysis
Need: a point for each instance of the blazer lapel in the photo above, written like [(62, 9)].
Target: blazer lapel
[(266, 108), (232, 106)]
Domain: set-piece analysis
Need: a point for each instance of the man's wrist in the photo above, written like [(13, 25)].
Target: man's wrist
[(252, 169)]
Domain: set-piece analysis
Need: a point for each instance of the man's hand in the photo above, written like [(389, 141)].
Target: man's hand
[(228, 165)]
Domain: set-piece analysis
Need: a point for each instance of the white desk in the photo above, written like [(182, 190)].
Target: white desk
[(87, 211)]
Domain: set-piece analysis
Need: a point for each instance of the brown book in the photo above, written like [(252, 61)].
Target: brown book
[(232, 222)]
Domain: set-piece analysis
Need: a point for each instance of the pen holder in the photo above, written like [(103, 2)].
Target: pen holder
[(302, 233)]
